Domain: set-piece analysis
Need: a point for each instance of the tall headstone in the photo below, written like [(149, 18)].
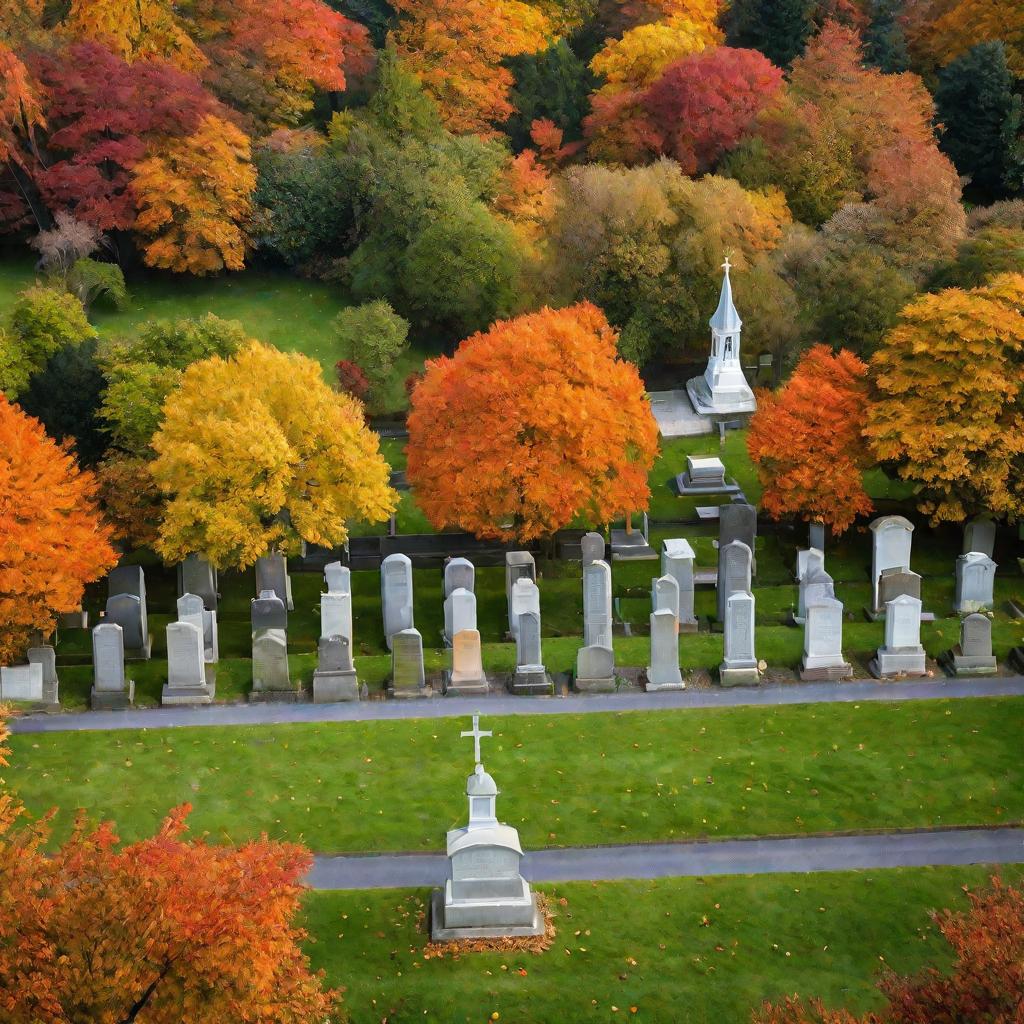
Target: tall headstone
[(814, 587), (268, 611), (893, 583), (459, 613), (396, 595), (808, 561), (592, 548), (271, 679), (973, 655), (110, 688), (816, 535), (336, 615), (21, 682), (665, 595), (530, 676), (407, 675), (663, 672), (338, 578), (459, 574), (46, 659), (129, 612), (189, 679), (891, 542), (127, 579), (335, 677), (595, 669), (980, 535), (739, 666), (902, 653), (191, 608), (518, 565), (525, 598), (467, 672), (975, 582), (823, 642), (197, 576), (272, 574), (677, 559), (597, 604), (737, 521), (734, 572)]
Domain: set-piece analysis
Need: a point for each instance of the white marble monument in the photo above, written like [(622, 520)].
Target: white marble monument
[(823, 641), (110, 688), (663, 672), (677, 559), (189, 678), (975, 581), (739, 666), (396, 595), (891, 542), (902, 653)]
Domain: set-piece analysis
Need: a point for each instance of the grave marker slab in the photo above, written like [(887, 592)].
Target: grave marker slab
[(268, 611), (734, 573), (197, 576), (973, 655), (272, 574), (975, 582), (739, 666), (338, 578), (467, 672), (809, 561), (902, 653), (815, 587), (459, 613), (46, 658), (663, 672), (530, 676), (270, 676), (396, 595), (129, 612), (677, 559), (665, 596), (335, 677), (597, 604), (595, 670), (980, 535), (890, 549), (21, 682), (189, 680), (823, 642), (336, 615), (110, 688), (407, 675), (592, 548), (518, 565), (459, 574)]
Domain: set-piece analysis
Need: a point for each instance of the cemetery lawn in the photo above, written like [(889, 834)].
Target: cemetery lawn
[(693, 950), (567, 780)]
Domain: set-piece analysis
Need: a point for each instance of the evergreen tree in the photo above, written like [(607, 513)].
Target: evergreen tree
[(885, 42), (778, 28), (982, 118)]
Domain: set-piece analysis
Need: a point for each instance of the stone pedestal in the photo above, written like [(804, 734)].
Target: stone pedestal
[(973, 655), (113, 700), (204, 694), (595, 670), (531, 681), (902, 653), (335, 687)]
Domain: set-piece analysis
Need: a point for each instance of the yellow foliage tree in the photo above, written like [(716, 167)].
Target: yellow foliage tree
[(194, 198), (950, 377), (944, 31), (257, 453)]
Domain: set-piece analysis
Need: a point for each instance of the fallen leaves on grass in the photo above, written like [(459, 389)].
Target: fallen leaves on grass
[(535, 944)]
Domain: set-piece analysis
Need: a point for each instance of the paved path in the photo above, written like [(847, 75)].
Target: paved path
[(459, 707), (724, 857)]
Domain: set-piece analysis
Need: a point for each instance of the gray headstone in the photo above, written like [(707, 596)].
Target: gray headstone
[(980, 535), (334, 654), (894, 582), (528, 649), (338, 577), (198, 576), (592, 548), (975, 582), (815, 587), (108, 657), (185, 655), (891, 542), (525, 598), (127, 579), (270, 661), (823, 634), (597, 604), (21, 682), (816, 535), (272, 574), (518, 565), (976, 636), (595, 662), (705, 471), (396, 594), (336, 615), (459, 574), (46, 658), (734, 573), (809, 561), (665, 595), (677, 559), (459, 613), (129, 612), (268, 612), (663, 672), (739, 630), (407, 675), (737, 521)]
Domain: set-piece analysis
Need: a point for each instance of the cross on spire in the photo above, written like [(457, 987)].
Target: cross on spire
[(477, 735), (727, 266)]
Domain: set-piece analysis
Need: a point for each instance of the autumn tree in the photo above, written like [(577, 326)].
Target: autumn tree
[(529, 424), (950, 378), (374, 337), (456, 52), (805, 440), (943, 30), (53, 541), (256, 452), (21, 118)]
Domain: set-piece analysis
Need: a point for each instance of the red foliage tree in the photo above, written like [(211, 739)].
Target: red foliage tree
[(351, 379)]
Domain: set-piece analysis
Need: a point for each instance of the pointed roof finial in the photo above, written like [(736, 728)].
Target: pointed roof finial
[(726, 320)]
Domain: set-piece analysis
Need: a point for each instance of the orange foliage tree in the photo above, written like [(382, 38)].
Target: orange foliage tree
[(162, 931), (456, 50), (530, 423), (806, 440), (52, 541)]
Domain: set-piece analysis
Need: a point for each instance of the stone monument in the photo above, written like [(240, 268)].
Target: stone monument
[(466, 676), (336, 615), (739, 666), (459, 613), (738, 521), (677, 559), (663, 672), (973, 655), (595, 670), (198, 576), (809, 560), (459, 574), (733, 573), (335, 677), (46, 658), (129, 612), (665, 595), (591, 548), (191, 608), (525, 598), (518, 565), (21, 682), (396, 595), (975, 581), (814, 587), (980, 535), (902, 653), (530, 677), (597, 604), (823, 642), (891, 541), (704, 474), (268, 611), (338, 578), (110, 689), (271, 679), (407, 675), (272, 574), (190, 680)]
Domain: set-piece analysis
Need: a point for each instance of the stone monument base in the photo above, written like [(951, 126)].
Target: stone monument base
[(140, 653), (418, 694), (483, 920), (531, 681), (658, 687), (333, 687), (688, 488), (602, 684), (907, 661), (113, 700), (971, 666), (172, 695), (465, 686), (276, 697), (811, 673), (739, 674), (732, 403)]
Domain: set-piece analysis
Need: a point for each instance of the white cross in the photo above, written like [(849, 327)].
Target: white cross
[(727, 266), (477, 735)]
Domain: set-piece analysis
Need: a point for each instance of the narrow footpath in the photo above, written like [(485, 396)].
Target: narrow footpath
[(917, 848), (500, 704)]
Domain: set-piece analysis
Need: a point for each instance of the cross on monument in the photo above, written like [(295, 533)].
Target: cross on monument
[(727, 266), (477, 735)]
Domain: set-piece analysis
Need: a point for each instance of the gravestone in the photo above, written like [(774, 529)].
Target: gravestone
[(980, 535), (268, 611), (407, 675), (892, 583), (890, 549), (665, 596), (663, 672), (336, 615), (809, 561), (734, 572), (595, 670), (46, 659), (272, 574), (21, 682), (823, 642), (704, 475), (127, 579), (459, 574), (271, 680), (975, 580), (466, 676), (189, 679), (335, 677), (677, 559), (459, 613), (973, 655), (129, 612), (815, 587), (597, 604), (902, 653), (525, 598), (530, 676), (110, 688), (485, 896), (592, 548), (739, 666), (198, 576), (396, 595), (338, 578), (737, 521), (190, 608), (518, 565), (816, 535)]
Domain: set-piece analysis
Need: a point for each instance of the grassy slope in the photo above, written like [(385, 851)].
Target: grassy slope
[(643, 944), (567, 779)]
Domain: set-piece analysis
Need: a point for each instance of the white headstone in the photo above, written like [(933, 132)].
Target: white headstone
[(190, 609), (336, 615), (902, 652), (591, 548), (21, 682), (823, 638), (459, 613), (734, 573), (338, 578), (892, 536), (528, 648), (525, 598), (270, 661), (809, 561), (815, 587), (185, 655), (396, 594), (739, 630), (595, 668), (665, 595), (663, 672), (467, 672), (975, 582), (459, 574), (597, 604), (108, 657), (518, 565), (677, 559)]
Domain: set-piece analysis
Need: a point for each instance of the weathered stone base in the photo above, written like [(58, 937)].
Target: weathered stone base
[(277, 697), (899, 662), (972, 666), (113, 700), (418, 694), (707, 404), (826, 673), (140, 653), (689, 626), (176, 695), (334, 687), (531, 682), (439, 933), (740, 675), (691, 490), (462, 687), (603, 684), (658, 687)]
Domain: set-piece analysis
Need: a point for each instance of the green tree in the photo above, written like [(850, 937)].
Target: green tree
[(981, 115), (885, 42), (374, 337), (89, 280), (778, 28), (984, 254)]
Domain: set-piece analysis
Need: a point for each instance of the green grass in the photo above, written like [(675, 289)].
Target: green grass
[(567, 779), (645, 944)]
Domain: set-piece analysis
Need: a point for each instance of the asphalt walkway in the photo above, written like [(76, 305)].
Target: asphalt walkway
[(459, 707), (723, 857)]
